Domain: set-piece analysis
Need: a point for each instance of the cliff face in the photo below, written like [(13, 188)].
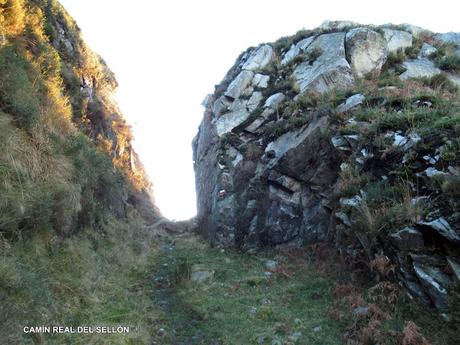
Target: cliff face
[(71, 160), (345, 133)]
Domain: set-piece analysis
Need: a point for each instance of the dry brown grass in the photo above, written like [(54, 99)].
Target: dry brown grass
[(383, 266), (412, 336), (30, 161)]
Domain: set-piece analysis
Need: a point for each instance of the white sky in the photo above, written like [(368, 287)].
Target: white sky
[(169, 54)]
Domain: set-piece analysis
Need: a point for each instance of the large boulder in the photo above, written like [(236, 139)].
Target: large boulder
[(418, 68), (449, 37), (258, 58), (297, 49), (329, 70), (366, 51), (239, 84), (232, 119), (397, 39)]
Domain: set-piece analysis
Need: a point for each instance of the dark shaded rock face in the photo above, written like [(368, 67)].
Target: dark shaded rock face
[(270, 196), (303, 142)]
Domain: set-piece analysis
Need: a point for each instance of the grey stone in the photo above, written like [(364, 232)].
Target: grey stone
[(406, 142), (361, 311), (366, 51), (254, 101), (291, 140), (397, 39), (343, 218), (271, 265), (228, 121), (340, 143), (274, 100), (283, 221), (287, 182), (353, 140), (430, 172), (330, 70), (260, 80), (207, 101), (427, 50), (239, 84), (408, 239), (431, 160), (238, 104), (431, 278), (449, 37), (279, 194), (291, 54), (336, 24), (199, 275), (455, 267), (259, 58), (419, 68), (416, 31), (305, 43), (442, 227), (297, 49), (454, 78), (221, 106), (255, 125), (412, 284), (351, 102), (354, 202)]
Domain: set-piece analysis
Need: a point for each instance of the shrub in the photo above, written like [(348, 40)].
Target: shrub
[(387, 208), (451, 186), (307, 100), (313, 55), (394, 59), (252, 152), (440, 82), (298, 121), (413, 336), (182, 271), (450, 63), (282, 44), (274, 130), (413, 51)]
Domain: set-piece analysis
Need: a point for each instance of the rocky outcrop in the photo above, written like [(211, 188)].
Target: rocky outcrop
[(419, 68), (397, 39), (330, 69), (291, 127), (366, 50)]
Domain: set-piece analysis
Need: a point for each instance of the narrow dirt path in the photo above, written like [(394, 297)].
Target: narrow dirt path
[(180, 324)]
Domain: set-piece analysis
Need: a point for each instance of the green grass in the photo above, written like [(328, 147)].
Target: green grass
[(18, 94), (241, 306), (89, 279)]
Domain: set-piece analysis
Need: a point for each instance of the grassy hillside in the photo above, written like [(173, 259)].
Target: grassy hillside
[(73, 196)]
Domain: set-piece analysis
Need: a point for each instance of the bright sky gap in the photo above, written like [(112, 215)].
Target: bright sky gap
[(167, 55)]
